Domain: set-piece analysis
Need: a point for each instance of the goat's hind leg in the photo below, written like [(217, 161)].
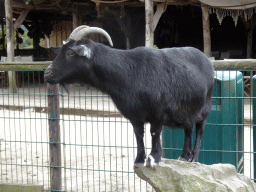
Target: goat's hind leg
[(199, 132), (186, 154), (156, 152), (139, 133)]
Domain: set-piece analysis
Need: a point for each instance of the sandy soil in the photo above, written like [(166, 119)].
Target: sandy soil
[(97, 153)]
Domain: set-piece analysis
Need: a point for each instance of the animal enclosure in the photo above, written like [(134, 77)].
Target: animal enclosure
[(98, 146)]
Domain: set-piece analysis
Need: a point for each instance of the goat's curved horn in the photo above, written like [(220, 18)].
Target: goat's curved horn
[(76, 30), (85, 30)]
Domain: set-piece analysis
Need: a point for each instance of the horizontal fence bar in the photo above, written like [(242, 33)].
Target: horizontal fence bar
[(235, 64), (229, 64), (24, 66)]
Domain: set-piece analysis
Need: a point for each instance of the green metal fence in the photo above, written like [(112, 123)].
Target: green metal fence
[(97, 143)]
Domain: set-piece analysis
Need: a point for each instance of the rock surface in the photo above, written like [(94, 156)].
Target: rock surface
[(180, 176)]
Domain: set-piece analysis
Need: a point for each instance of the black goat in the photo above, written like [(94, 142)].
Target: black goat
[(169, 87)]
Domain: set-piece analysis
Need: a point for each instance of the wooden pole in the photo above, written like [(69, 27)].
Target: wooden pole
[(206, 31), (149, 13), (54, 134), (75, 20), (249, 38), (10, 44), (249, 43)]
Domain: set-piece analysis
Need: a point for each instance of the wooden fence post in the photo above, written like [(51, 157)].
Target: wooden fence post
[(54, 134)]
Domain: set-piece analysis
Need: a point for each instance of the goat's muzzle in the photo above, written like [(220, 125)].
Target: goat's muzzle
[(49, 76)]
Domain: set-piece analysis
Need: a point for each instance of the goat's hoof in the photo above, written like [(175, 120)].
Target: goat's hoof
[(183, 159), (138, 165), (151, 162)]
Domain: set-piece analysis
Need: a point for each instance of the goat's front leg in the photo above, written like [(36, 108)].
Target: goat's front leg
[(139, 133), (156, 152)]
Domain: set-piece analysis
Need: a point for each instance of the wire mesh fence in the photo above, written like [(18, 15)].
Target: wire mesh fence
[(98, 146), (97, 142)]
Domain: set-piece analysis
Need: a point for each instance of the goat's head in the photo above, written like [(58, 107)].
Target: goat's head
[(67, 65)]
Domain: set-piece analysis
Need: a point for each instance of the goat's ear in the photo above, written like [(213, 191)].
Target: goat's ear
[(82, 50), (55, 49)]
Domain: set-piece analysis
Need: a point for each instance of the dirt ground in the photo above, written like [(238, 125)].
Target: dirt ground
[(98, 148)]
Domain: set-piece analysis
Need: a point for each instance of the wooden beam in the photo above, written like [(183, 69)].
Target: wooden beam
[(10, 44), (149, 13), (159, 11), (19, 4), (21, 18), (206, 31), (176, 2)]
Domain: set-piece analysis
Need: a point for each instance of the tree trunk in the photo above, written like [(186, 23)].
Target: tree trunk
[(10, 44)]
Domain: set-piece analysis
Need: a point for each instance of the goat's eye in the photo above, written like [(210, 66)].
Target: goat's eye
[(70, 53)]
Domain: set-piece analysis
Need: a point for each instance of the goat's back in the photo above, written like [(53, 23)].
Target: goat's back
[(170, 85)]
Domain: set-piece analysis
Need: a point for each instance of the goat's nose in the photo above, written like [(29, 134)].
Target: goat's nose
[(47, 72)]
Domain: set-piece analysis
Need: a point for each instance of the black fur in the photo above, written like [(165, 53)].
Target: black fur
[(169, 87)]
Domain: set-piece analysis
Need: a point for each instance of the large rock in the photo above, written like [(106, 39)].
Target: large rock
[(180, 176)]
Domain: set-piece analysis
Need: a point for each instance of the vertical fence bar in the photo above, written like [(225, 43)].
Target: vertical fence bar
[(253, 94), (54, 134)]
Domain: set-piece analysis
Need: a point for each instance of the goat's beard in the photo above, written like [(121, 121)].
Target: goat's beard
[(65, 87)]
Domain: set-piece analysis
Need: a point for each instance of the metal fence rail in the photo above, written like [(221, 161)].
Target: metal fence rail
[(97, 143)]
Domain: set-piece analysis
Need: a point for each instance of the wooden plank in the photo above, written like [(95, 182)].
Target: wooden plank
[(21, 188), (24, 66)]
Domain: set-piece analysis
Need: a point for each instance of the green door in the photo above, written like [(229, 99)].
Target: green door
[(222, 136)]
